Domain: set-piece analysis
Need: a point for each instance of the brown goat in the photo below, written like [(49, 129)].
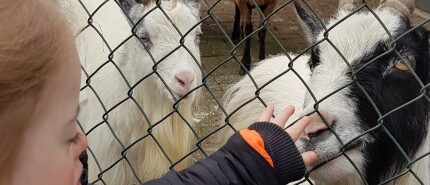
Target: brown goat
[(243, 18)]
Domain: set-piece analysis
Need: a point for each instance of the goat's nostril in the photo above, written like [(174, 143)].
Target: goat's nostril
[(311, 135), (316, 124), (182, 83), (184, 79)]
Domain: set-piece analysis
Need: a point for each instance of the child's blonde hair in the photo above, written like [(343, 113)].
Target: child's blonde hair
[(33, 39)]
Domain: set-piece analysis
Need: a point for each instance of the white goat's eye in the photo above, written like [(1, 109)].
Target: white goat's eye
[(399, 65), (144, 39)]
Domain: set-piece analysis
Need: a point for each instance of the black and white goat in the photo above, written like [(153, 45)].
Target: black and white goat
[(388, 81), (243, 27)]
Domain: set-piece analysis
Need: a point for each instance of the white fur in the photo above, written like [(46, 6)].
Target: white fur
[(330, 75), (126, 120), (276, 93), (353, 42)]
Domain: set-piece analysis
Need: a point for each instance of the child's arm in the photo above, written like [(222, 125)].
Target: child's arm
[(262, 154)]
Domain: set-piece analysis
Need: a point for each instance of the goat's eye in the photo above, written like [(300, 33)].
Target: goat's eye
[(314, 60), (144, 39), (402, 66), (311, 65)]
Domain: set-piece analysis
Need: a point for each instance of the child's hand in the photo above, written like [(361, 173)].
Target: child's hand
[(294, 131)]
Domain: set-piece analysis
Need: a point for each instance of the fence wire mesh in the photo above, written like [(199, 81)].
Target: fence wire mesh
[(219, 69)]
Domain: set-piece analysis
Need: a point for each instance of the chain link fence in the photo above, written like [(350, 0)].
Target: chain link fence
[(130, 123)]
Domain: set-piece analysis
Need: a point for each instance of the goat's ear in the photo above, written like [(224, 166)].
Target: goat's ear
[(144, 2), (310, 23), (126, 5), (194, 2), (194, 6)]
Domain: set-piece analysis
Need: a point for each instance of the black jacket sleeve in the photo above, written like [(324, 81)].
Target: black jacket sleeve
[(237, 163)]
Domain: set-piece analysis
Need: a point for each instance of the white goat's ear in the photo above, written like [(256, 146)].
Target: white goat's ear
[(310, 22), (144, 2), (194, 6), (194, 3), (126, 5), (349, 5)]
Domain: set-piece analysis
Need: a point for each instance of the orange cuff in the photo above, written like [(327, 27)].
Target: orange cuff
[(256, 142)]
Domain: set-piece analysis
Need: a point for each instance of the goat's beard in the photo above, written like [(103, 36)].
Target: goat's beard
[(182, 100)]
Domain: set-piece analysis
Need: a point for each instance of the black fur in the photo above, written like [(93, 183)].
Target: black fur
[(395, 88), (246, 60), (247, 53), (261, 38), (408, 125), (389, 89), (315, 58), (235, 37)]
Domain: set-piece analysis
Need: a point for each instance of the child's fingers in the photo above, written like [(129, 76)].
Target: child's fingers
[(309, 157), (267, 114), (281, 118), (295, 130)]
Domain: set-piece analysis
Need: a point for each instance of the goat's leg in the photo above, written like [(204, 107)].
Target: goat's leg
[(235, 36), (266, 9), (247, 30), (261, 38)]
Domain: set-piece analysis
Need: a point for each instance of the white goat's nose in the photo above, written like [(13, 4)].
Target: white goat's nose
[(184, 79), (316, 124)]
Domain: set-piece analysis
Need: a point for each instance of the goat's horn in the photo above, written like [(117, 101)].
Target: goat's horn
[(404, 7), (348, 5)]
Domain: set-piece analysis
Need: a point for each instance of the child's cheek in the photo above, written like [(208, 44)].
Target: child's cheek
[(69, 172), (77, 171)]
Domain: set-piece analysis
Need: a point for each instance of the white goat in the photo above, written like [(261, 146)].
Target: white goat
[(118, 113), (388, 81)]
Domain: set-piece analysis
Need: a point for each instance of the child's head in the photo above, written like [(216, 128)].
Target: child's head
[(39, 91)]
